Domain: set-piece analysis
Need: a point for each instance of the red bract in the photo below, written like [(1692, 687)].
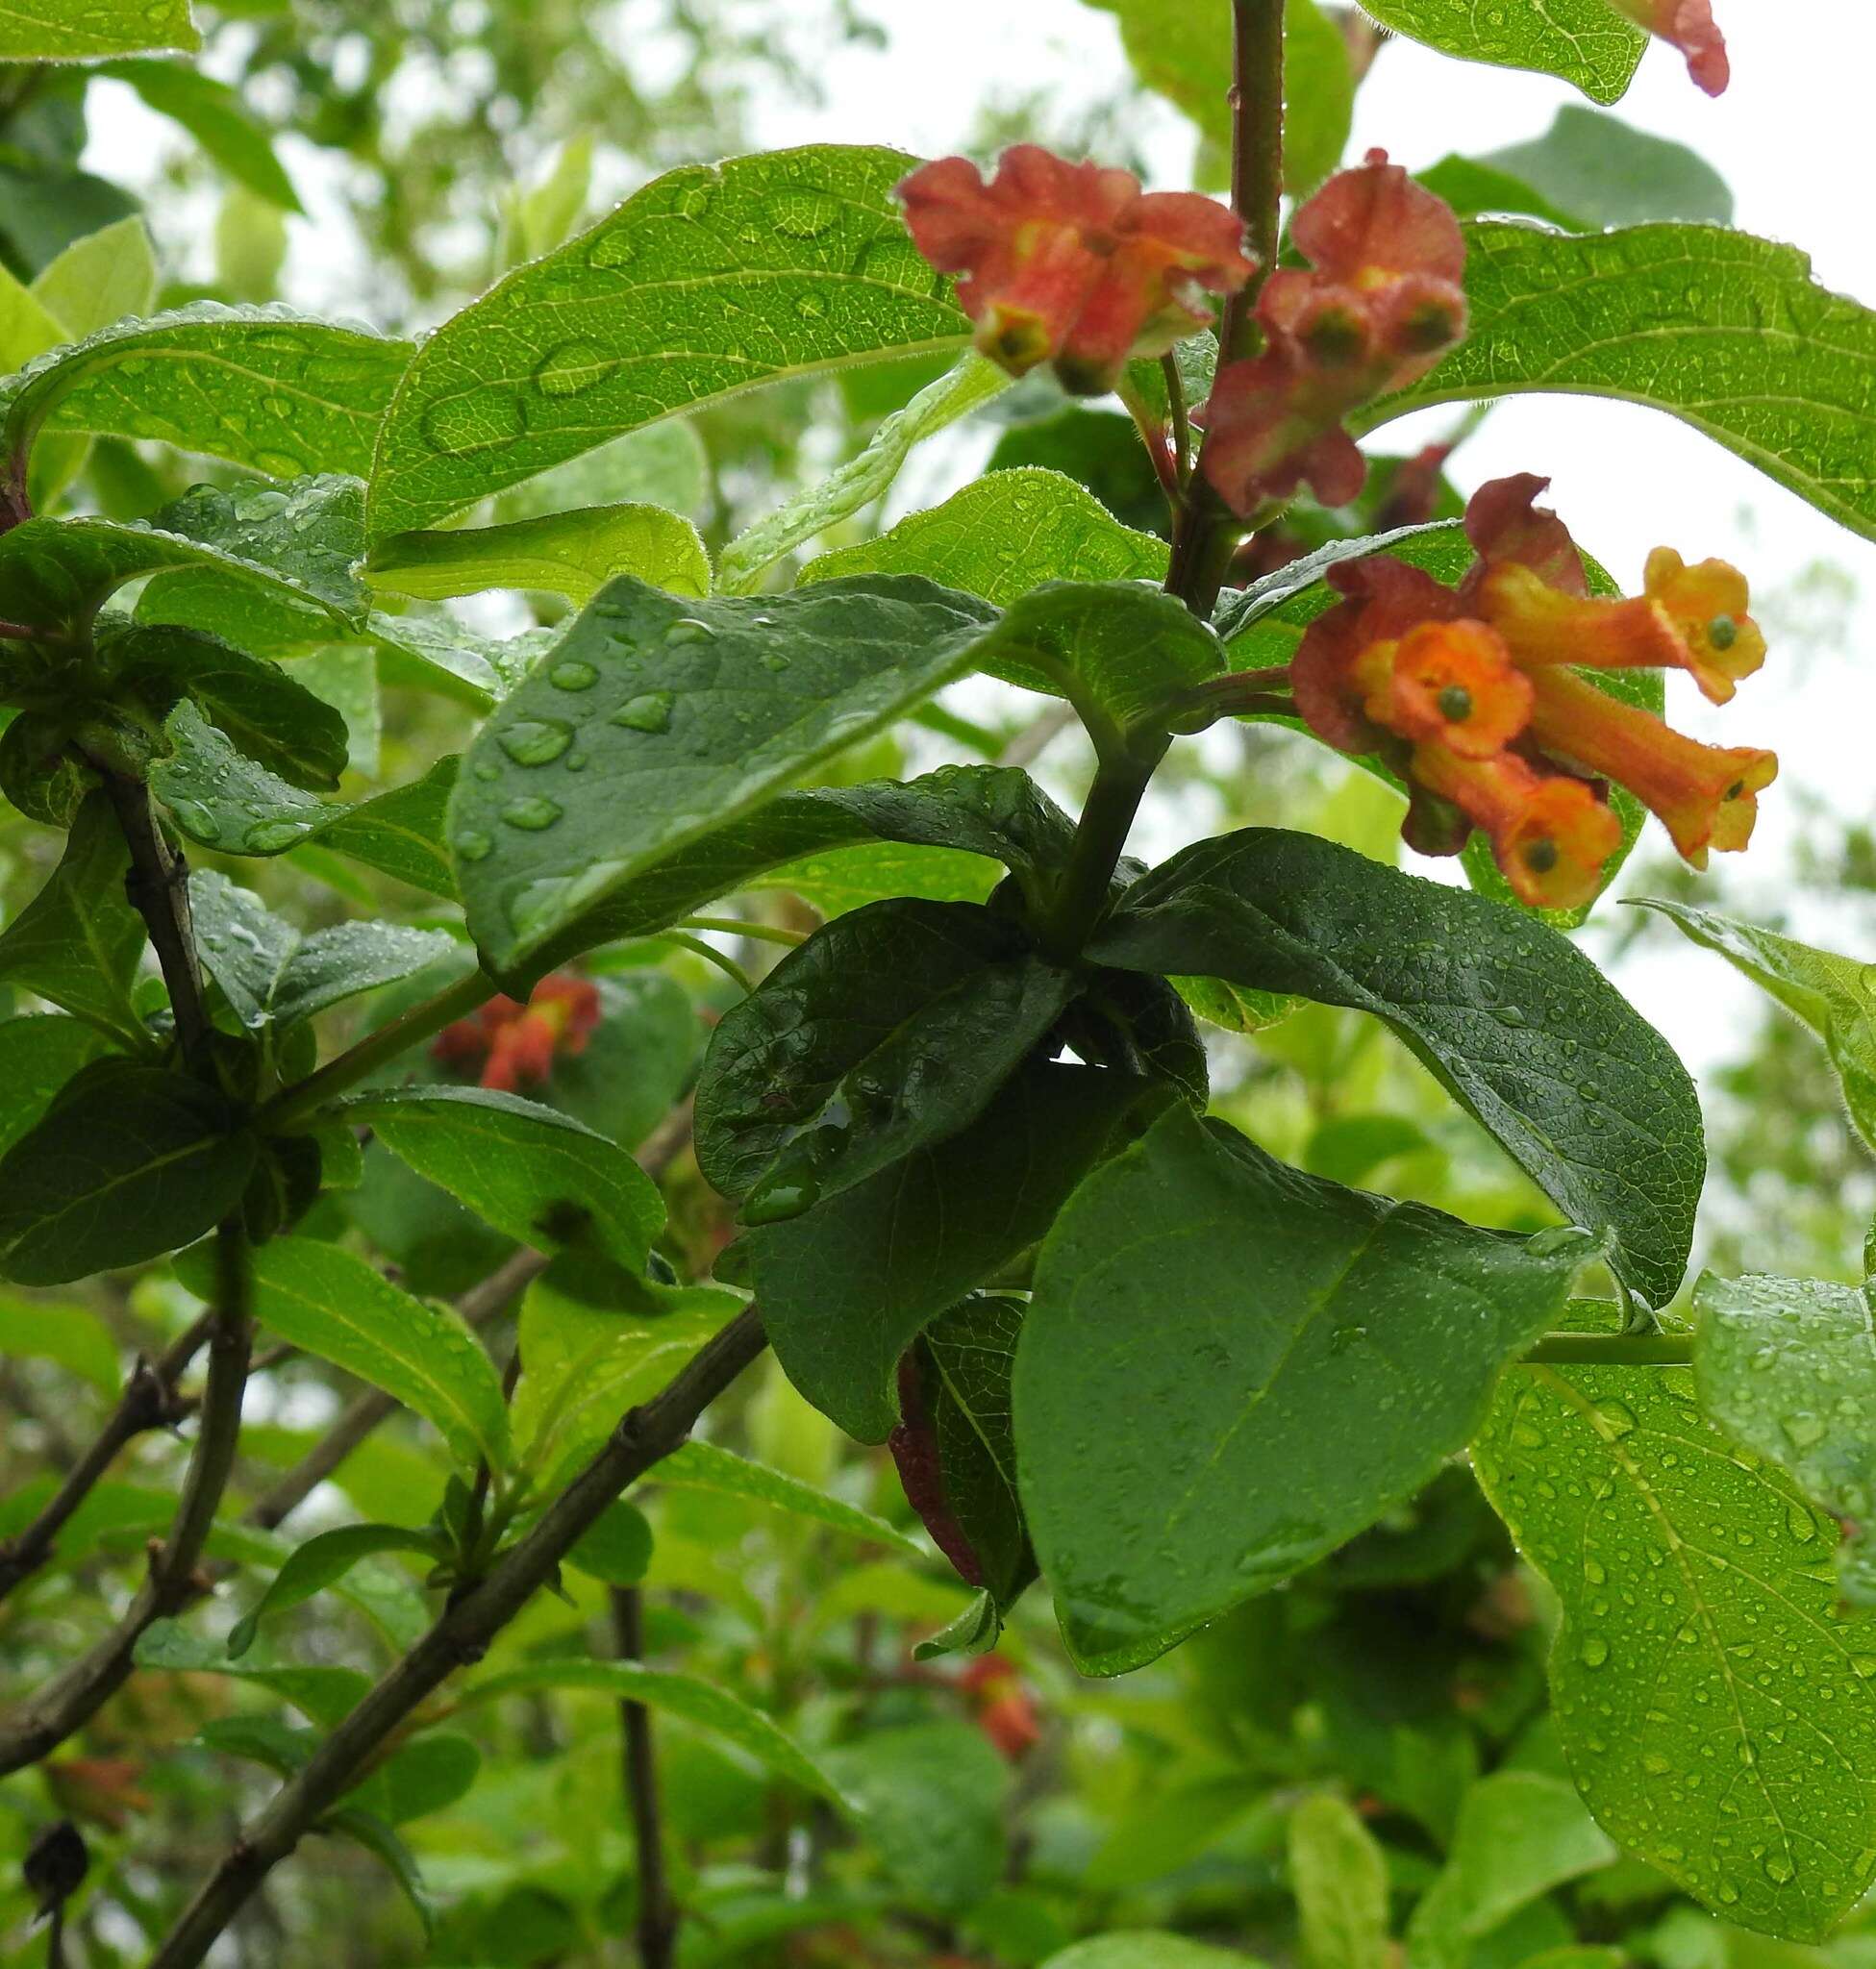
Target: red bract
[(514, 1045), (1072, 263), (1471, 693), (1379, 308), (1689, 24)]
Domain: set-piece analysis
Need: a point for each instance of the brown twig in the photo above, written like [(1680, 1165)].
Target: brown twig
[(656, 1928), (460, 1636), (158, 888)]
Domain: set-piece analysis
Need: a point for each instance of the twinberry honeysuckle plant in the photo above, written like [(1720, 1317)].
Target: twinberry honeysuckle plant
[(954, 1109)]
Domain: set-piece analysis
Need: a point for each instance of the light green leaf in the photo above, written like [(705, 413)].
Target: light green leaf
[(70, 1336), (322, 1561), (929, 1801), (958, 392), (1520, 1834), (1143, 1950), (537, 220), (534, 1172), (663, 464), (1697, 1605), (571, 553), (701, 1704), (322, 1694), (55, 31), (99, 280), (657, 720), (1728, 332), (367, 1830), (1835, 996), (713, 279), (1608, 173), (1203, 1320), (1586, 42), (215, 117), (1003, 535), (1340, 1875), (706, 1466), (1786, 1368)]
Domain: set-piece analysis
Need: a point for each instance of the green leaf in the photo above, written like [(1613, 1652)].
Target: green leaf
[(535, 1174), (322, 1561), (713, 279), (929, 1801), (54, 31), (708, 1466), (1835, 996), (428, 1775), (39, 1055), (889, 1030), (1697, 1605), (215, 117), (78, 945), (273, 974), (845, 1287), (367, 1830), (701, 1704), (1586, 42), (99, 278), (658, 721), (1728, 332), (1786, 1368), (537, 221), (129, 1163), (571, 553), (1340, 1875), (323, 1694), (1002, 535), (959, 391), (219, 796), (332, 1304), (70, 1336), (259, 386), (1203, 1318), (1520, 1834), (615, 1548), (1518, 1025), (1608, 173), (1143, 1950)]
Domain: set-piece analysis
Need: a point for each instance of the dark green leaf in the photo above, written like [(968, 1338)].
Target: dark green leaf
[(1584, 42), (429, 1774), (37, 1056), (320, 1562), (889, 1030), (616, 1548), (400, 833), (1204, 1319), (131, 1162), (929, 1801), (1697, 1610), (845, 1288), (364, 1828), (1521, 1029), (215, 117), (713, 279), (657, 720), (219, 796)]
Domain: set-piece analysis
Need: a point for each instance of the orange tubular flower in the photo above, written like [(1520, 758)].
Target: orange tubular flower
[(1689, 24), (514, 1045), (1550, 835), (1452, 684), (1072, 264)]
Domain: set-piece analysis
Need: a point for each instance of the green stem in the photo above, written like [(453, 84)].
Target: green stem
[(377, 1049), (1612, 1350), (710, 955), (736, 926), (1082, 895)]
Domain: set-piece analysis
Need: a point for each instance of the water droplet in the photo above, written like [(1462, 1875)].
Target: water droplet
[(1559, 1239), (650, 711), (481, 420), (535, 741), (784, 1193), (803, 212), (1862, 1666), (689, 629), (1779, 1868), (533, 814), (271, 836), (570, 368), (1345, 1337), (1617, 1416), (1593, 1652), (617, 246), (472, 845), (573, 675), (1807, 1431), (775, 660)]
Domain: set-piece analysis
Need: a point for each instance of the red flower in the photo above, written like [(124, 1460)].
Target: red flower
[(1005, 1713), (1690, 25), (1072, 263), (514, 1045), (1551, 835)]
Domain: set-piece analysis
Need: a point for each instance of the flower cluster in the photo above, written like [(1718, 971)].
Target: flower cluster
[(1689, 24), (1073, 265), (1378, 306), (1472, 694), (513, 1045)]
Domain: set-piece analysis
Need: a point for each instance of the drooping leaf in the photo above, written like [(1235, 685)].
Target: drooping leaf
[(536, 1174), (889, 1030), (571, 553), (709, 1466), (367, 1830), (752, 271), (1202, 1318), (79, 942), (658, 721), (54, 31), (1002, 535), (1340, 1875), (1787, 1368), (1521, 1027), (1728, 332), (273, 974), (214, 113), (845, 1287), (929, 1800), (1586, 42), (131, 1162), (1697, 1602), (322, 1560)]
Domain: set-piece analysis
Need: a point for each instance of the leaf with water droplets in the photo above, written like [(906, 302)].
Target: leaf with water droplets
[(1719, 1719), (1204, 1321), (1728, 332), (83, 30), (682, 717), (713, 279), (1786, 1368), (1516, 1023), (1587, 42)]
